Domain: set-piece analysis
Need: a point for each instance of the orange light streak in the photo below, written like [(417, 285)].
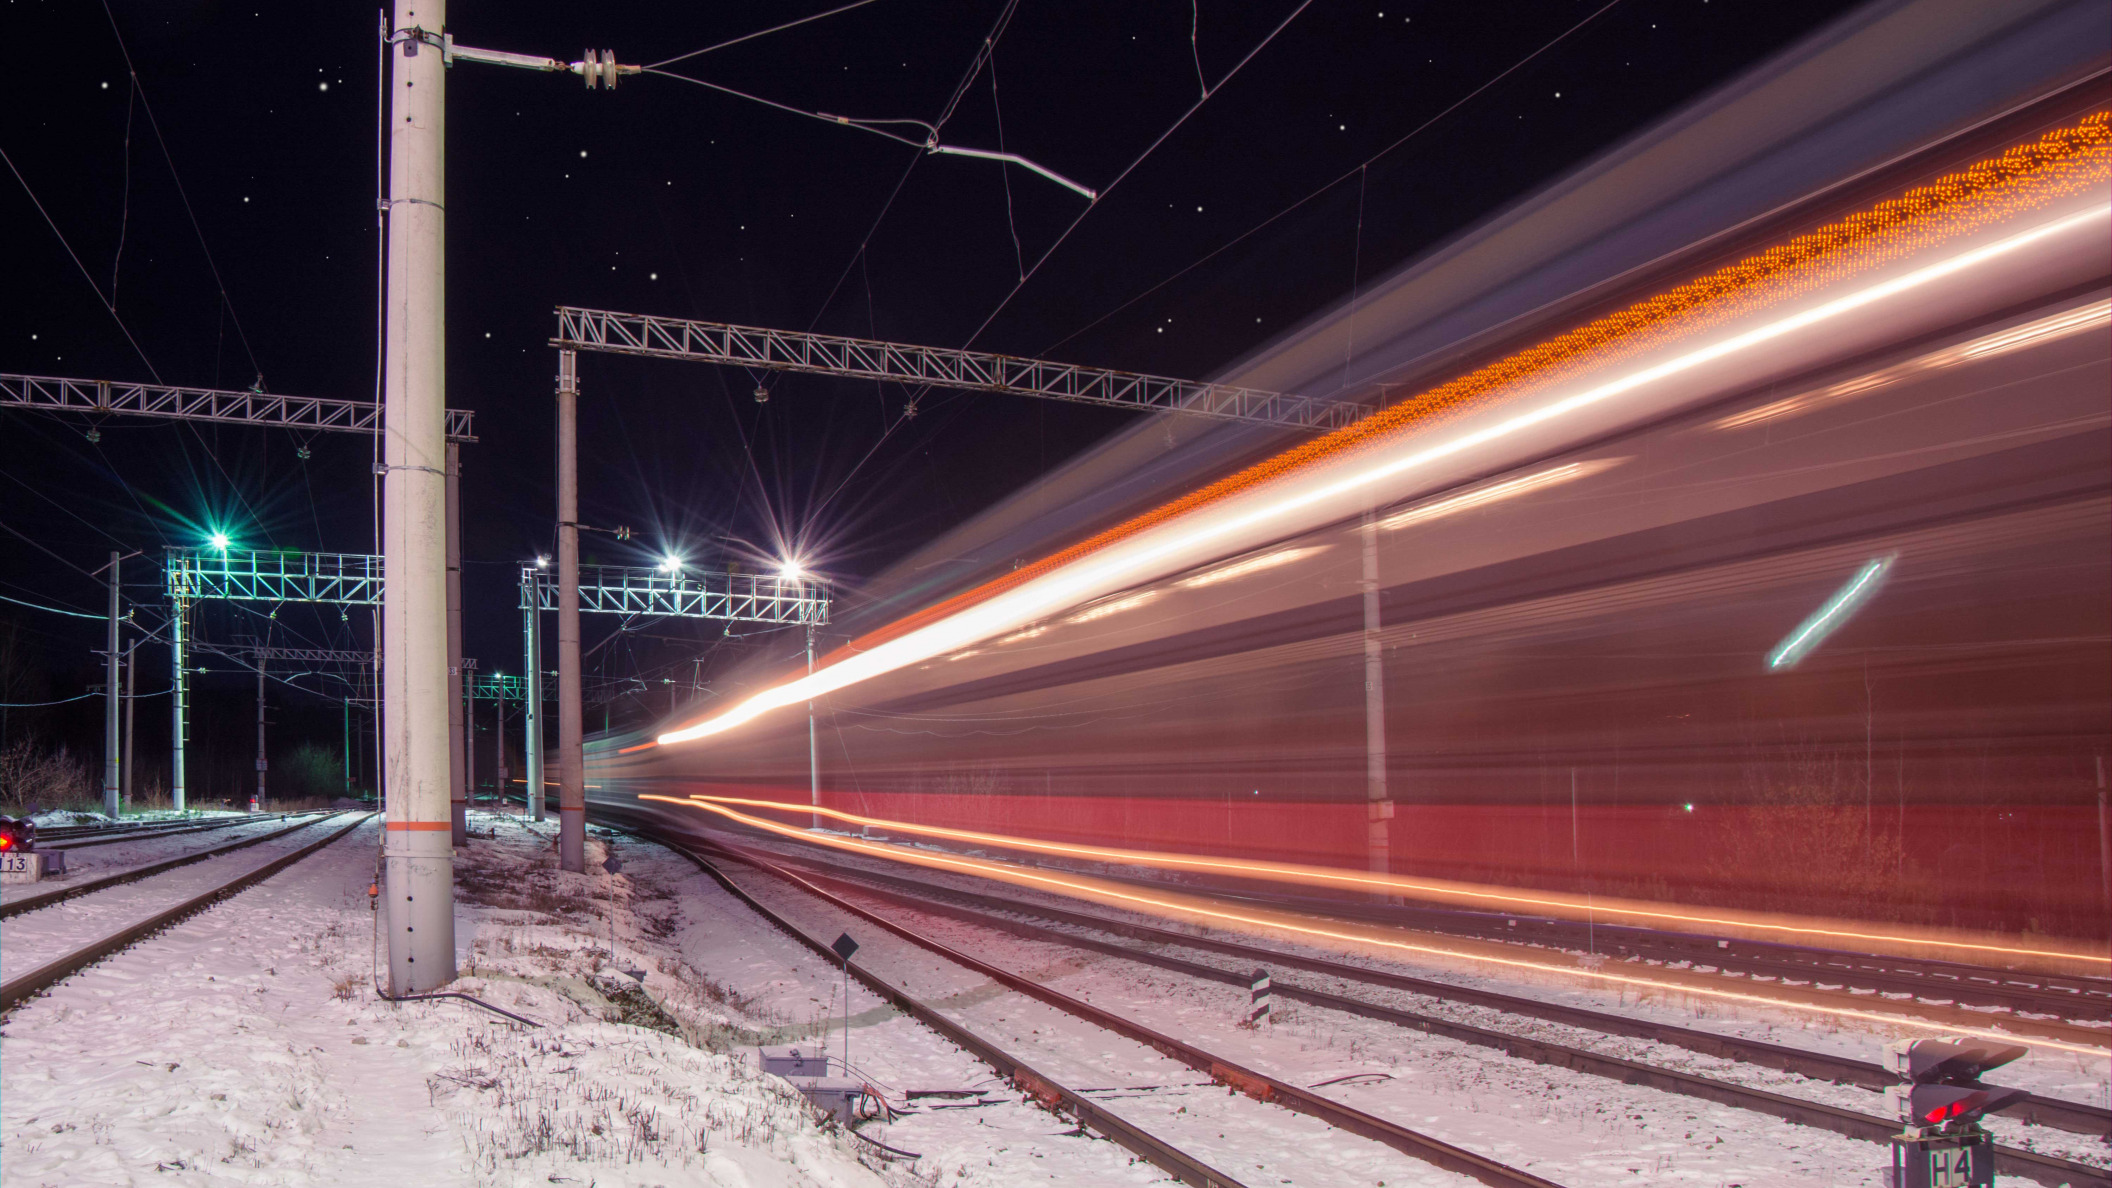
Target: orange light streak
[(1385, 448), (1981, 193), (1116, 898), (1329, 876)]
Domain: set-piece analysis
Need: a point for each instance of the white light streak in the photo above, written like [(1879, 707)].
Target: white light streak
[(2060, 325), (1496, 492), (1145, 557), (1838, 609), (1102, 610), (1249, 565)]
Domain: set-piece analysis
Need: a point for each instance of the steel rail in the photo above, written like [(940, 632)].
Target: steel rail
[(16, 990), (2047, 1169), (1963, 982), (150, 832), (1730, 957), (2044, 1111), (1052, 1096), (45, 899), (1255, 1084)]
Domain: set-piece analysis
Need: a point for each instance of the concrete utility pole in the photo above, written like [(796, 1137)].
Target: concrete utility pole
[(113, 761), (1378, 806), (571, 734), (458, 768), (178, 689), (418, 853), (256, 803)]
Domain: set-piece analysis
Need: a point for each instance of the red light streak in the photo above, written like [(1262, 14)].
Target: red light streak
[(1078, 887), (1327, 876)]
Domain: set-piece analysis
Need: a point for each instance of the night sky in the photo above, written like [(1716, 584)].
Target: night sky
[(667, 197)]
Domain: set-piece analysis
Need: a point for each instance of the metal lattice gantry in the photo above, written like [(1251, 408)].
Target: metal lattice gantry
[(333, 656), (498, 686), (635, 590), (975, 371), (734, 597), (250, 575), (47, 393)]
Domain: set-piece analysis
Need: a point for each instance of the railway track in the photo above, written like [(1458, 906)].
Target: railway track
[(1086, 1112), (1938, 983), (1221, 1070), (1035, 1084), (56, 895), (2045, 1111), (2045, 1169), (17, 990), (114, 835)]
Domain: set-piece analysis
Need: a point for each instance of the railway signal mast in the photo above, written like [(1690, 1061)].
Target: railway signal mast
[(1942, 1101)]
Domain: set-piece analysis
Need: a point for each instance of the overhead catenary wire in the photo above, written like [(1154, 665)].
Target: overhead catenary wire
[(52, 609), (107, 304), (760, 33), (154, 125), (1412, 133), (1139, 160)]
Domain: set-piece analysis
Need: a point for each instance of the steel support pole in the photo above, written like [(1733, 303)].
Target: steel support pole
[(419, 855), (1378, 808), (571, 749), (256, 802), (113, 756), (458, 775), (179, 689), (467, 708), (532, 721), (131, 697), (814, 771), (500, 773)]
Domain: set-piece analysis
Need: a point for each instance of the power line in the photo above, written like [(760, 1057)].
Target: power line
[(34, 704), (1418, 130), (759, 33), (53, 609), (1132, 166), (85, 274), (47, 552), (225, 302)]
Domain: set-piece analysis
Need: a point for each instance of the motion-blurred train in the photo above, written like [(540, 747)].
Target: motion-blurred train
[(1738, 532)]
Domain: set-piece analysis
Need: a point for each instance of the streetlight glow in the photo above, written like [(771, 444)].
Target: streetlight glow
[(219, 541), (791, 569), (542, 562), (671, 564)]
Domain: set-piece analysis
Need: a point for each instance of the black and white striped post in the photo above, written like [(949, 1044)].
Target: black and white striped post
[(1258, 1008)]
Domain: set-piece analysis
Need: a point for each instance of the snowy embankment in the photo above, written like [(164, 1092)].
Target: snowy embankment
[(247, 1045)]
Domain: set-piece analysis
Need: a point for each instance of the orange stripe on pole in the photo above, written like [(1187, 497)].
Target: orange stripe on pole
[(418, 825)]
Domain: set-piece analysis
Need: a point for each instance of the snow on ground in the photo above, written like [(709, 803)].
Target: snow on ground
[(94, 862), (1566, 1126), (247, 1046), (2046, 1071), (1260, 1144), (2053, 1073)]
